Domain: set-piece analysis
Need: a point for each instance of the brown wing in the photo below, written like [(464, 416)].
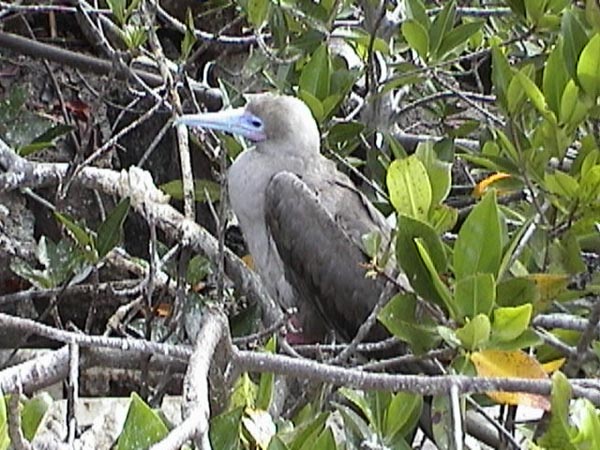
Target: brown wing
[(315, 224)]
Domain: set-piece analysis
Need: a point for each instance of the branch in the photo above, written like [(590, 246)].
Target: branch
[(147, 200), (196, 406), (98, 66)]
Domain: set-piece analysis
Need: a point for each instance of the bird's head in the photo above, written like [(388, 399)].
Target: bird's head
[(274, 122)]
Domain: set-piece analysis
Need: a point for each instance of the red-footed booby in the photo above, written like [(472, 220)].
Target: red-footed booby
[(303, 220)]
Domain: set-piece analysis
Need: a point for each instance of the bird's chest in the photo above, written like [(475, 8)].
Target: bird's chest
[(248, 178)]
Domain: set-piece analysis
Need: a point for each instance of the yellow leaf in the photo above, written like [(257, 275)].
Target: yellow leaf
[(549, 286), (511, 364), (249, 261), (554, 365), (484, 184)]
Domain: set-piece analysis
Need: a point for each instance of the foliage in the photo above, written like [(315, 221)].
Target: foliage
[(522, 139), (32, 413)]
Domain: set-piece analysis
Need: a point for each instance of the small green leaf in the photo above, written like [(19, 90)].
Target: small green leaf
[(475, 333), (33, 412), (109, 232), (204, 190), (438, 171), (575, 38), (143, 427), (502, 75), (409, 187), (266, 384), (441, 25), (82, 236), (559, 432), (417, 37), (510, 322), (478, 247), (458, 36), (189, 37), (45, 140), (4, 438), (562, 184), (117, 7), (588, 68), (225, 430), (258, 11), (555, 77), (409, 259), (415, 9), (440, 287), (532, 91), (405, 320), (371, 243), (402, 414)]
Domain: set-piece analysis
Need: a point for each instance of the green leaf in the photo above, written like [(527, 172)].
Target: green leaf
[(4, 438), (592, 14), (442, 24), (437, 282), (415, 10), (307, 432), (417, 37), (562, 184), (204, 190), (405, 320), (475, 294), (573, 107), (575, 38), (143, 427), (117, 7), (478, 247), (33, 412), (109, 232), (45, 140), (588, 424), (315, 105), (189, 38), (267, 381), (502, 75), (408, 256), (316, 74), (443, 218), (458, 36), (559, 432), (442, 423), (510, 322), (359, 400), (438, 171), (82, 236), (225, 430), (555, 77), (475, 333), (258, 11), (244, 392), (532, 92), (325, 441), (409, 187), (515, 95), (588, 68), (402, 414), (518, 7)]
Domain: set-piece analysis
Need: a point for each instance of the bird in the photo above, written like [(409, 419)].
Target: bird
[(302, 218)]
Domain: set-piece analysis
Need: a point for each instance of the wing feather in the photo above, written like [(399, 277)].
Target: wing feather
[(316, 225)]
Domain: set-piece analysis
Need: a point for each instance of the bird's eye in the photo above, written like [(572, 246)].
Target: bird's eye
[(256, 122)]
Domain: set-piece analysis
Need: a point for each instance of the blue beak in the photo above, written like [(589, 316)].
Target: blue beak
[(235, 121)]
